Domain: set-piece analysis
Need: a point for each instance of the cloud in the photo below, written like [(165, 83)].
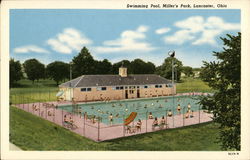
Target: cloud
[(29, 49), (129, 40), (68, 41), (200, 30), (162, 30)]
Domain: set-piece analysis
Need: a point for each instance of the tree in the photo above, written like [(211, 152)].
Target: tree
[(103, 67), (138, 66), (188, 71), (15, 71), (150, 67), (58, 71), (165, 70), (83, 63), (224, 76), (34, 69)]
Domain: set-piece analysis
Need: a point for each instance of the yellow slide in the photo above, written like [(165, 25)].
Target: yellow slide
[(130, 118)]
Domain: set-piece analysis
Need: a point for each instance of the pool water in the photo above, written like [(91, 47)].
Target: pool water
[(122, 109)]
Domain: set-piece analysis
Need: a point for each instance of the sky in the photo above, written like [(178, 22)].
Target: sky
[(50, 35)]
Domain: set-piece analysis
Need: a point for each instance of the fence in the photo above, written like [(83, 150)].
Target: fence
[(100, 128)]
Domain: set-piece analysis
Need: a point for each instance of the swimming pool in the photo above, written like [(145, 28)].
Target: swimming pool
[(122, 109)]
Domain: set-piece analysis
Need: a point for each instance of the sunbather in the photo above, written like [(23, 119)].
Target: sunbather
[(138, 125)]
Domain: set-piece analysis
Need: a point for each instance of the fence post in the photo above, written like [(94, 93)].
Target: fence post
[(23, 102), (166, 118), (146, 121), (83, 126), (62, 117), (39, 112), (123, 125), (183, 117), (98, 138), (54, 114), (199, 115), (45, 111), (49, 95), (84, 117), (28, 106)]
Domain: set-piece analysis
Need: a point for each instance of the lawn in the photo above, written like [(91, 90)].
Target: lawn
[(25, 91), (192, 85), (30, 132)]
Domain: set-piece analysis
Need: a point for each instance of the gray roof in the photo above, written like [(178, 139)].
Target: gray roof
[(115, 80)]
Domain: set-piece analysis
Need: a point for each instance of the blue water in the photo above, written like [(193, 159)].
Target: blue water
[(121, 109)]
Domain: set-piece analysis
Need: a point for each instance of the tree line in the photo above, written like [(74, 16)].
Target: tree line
[(85, 64)]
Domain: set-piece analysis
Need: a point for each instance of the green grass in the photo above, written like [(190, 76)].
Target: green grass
[(192, 85), (30, 132), (26, 92)]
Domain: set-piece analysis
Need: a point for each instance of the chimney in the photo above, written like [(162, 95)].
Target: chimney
[(123, 71)]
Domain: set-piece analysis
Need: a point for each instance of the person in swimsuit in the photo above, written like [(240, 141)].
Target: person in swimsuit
[(179, 109), (150, 116)]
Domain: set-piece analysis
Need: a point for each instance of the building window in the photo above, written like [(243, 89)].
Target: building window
[(158, 86), (138, 86), (169, 85), (85, 89), (145, 86), (121, 87), (117, 88), (104, 88)]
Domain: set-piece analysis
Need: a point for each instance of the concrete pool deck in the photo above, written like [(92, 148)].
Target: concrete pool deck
[(100, 131)]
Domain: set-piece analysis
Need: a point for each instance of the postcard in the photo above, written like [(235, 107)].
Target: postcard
[(124, 79)]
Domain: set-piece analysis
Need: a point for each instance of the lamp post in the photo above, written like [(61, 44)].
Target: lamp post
[(172, 54)]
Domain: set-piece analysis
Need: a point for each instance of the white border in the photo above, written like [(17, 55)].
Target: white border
[(244, 5)]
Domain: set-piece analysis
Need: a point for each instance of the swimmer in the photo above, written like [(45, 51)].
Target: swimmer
[(150, 116), (126, 109), (117, 115), (179, 108), (169, 113), (145, 106), (160, 106), (152, 104), (166, 100), (189, 106), (113, 105), (92, 107)]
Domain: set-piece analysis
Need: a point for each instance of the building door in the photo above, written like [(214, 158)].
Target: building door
[(126, 94), (138, 93)]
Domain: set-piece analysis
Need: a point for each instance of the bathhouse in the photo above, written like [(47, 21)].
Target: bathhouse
[(115, 87)]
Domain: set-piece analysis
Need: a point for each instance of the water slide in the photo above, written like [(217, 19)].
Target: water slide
[(130, 118)]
